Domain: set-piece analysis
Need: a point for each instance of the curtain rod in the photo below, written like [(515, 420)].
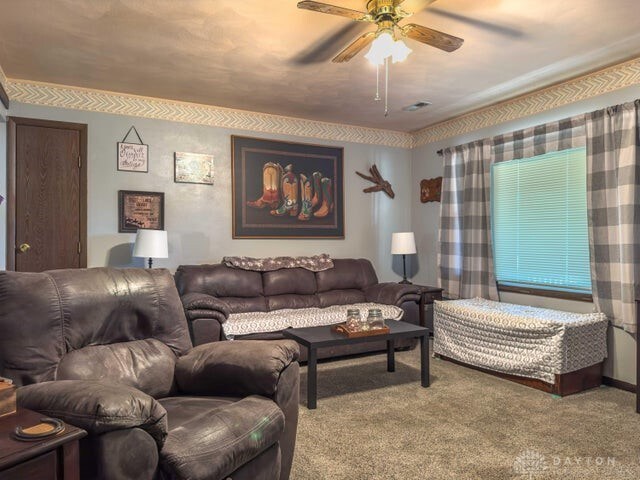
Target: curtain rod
[(440, 152)]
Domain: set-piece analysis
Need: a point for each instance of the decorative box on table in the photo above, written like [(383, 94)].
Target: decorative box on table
[(7, 397)]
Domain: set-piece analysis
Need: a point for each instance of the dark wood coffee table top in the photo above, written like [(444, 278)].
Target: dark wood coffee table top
[(317, 337), (13, 451), (322, 336)]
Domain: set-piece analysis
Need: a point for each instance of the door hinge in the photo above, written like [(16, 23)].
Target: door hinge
[(79, 161), (79, 247)]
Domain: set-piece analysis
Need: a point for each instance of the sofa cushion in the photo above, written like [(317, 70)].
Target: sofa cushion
[(245, 304), (289, 280), (341, 297), (217, 437), (347, 273), (147, 365), (218, 281), (278, 302)]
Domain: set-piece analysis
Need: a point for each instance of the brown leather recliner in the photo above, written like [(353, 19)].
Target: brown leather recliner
[(109, 351)]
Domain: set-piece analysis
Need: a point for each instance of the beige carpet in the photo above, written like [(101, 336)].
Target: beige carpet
[(371, 424)]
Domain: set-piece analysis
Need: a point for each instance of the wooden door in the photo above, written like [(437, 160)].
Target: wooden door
[(47, 195)]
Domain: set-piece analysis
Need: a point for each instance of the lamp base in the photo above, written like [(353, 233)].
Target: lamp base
[(405, 282)]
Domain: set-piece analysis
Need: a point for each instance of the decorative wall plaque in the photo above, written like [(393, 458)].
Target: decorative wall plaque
[(430, 190), (133, 157), (193, 168), (140, 210)]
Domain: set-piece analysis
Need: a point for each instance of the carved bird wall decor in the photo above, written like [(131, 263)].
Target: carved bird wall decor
[(381, 185)]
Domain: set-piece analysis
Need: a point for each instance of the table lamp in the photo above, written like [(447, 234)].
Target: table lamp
[(151, 244), (403, 243)]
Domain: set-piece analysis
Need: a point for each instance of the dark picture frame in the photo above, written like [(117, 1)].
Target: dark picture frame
[(271, 198), (140, 210)]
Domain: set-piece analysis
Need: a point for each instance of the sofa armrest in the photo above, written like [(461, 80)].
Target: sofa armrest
[(392, 293), (97, 407), (201, 305), (236, 368)]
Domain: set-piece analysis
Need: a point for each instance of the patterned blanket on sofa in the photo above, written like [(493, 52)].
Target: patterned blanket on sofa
[(262, 322), (315, 263)]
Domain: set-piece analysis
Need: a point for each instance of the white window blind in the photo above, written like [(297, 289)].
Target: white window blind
[(539, 221)]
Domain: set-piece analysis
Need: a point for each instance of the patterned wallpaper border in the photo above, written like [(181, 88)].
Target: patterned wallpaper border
[(580, 88), (76, 98)]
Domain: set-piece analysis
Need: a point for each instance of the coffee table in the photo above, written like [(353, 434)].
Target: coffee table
[(318, 337)]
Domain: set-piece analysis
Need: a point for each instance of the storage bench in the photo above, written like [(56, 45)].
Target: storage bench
[(558, 352)]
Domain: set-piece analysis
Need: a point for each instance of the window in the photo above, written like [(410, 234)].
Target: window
[(539, 220)]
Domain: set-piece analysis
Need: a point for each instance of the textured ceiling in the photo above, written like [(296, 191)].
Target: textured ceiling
[(257, 55)]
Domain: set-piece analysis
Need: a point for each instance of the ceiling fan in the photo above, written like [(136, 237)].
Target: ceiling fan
[(385, 14)]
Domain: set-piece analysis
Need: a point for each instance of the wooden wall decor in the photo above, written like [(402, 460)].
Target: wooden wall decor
[(381, 185), (430, 190)]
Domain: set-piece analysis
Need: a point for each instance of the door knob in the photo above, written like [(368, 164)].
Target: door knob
[(24, 247)]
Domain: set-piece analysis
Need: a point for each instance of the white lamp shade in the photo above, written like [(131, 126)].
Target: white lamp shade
[(403, 243), (151, 244)]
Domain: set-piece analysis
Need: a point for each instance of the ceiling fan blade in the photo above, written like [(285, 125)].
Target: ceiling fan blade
[(493, 27), (355, 47), (432, 37), (325, 48), (331, 9)]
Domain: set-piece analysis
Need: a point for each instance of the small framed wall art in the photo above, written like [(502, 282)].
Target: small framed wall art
[(193, 168), (140, 210), (133, 157), (431, 190)]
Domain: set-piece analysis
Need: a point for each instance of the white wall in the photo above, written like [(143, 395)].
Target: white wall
[(198, 217), (425, 220)]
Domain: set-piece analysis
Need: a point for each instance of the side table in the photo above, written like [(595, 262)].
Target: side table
[(427, 296), (54, 458)]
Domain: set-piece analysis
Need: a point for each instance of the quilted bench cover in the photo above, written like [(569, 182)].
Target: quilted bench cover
[(517, 339), (259, 322)]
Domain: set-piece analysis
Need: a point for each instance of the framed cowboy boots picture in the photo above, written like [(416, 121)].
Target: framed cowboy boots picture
[(286, 190)]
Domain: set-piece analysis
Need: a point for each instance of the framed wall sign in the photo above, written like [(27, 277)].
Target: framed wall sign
[(140, 210), (286, 190), (430, 190), (193, 168), (133, 157)]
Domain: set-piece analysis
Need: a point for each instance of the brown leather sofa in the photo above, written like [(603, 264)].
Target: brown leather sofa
[(210, 293), (109, 351)]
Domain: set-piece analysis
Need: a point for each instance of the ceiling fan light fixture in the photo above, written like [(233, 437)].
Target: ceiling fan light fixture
[(400, 51), (381, 48)]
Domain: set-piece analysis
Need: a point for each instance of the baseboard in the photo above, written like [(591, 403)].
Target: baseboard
[(612, 382)]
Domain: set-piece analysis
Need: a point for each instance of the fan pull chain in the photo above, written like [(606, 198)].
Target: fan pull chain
[(377, 97), (386, 87)]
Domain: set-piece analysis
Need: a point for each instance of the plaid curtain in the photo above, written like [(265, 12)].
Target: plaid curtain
[(613, 190), (465, 257), (551, 137)]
